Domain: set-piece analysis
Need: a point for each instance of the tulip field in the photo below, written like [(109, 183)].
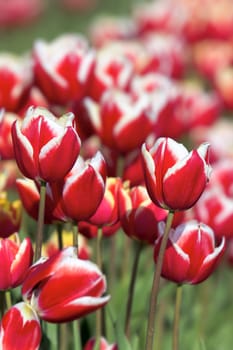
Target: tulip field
[(116, 169)]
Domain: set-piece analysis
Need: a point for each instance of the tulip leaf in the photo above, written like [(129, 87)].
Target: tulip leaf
[(121, 339)]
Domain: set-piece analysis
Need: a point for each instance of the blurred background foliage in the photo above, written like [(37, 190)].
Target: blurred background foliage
[(55, 20)]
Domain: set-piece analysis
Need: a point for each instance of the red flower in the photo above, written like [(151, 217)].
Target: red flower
[(90, 345), (215, 207), (16, 258), (118, 116), (15, 79), (63, 68), (139, 215), (83, 188), (18, 12), (20, 328), (6, 146), (191, 255), (30, 196), (107, 212), (45, 147), (64, 288), (112, 70), (175, 178)]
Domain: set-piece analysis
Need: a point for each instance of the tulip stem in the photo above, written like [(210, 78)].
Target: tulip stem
[(59, 236), (132, 287), (155, 285), (8, 299), (40, 222), (177, 317), (99, 312), (75, 236), (76, 334), (2, 303)]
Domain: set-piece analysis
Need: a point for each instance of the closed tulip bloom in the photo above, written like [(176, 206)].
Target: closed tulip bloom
[(16, 258), (45, 147), (191, 254), (83, 188), (63, 287), (90, 345), (15, 78), (30, 197), (174, 177), (139, 215), (215, 207), (118, 116), (63, 68), (20, 329), (107, 212)]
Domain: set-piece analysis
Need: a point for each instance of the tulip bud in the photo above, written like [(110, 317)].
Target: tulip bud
[(16, 258), (20, 329), (175, 178), (42, 145), (191, 255)]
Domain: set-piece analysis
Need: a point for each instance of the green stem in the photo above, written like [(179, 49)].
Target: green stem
[(177, 318), (8, 299), (132, 287), (155, 285), (59, 236), (62, 336), (40, 222), (76, 335), (99, 312), (75, 236), (2, 303)]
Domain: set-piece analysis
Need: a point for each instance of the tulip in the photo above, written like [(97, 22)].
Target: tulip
[(63, 68), (139, 215), (90, 345), (215, 207), (16, 258), (15, 78), (107, 212), (191, 255), (83, 188), (45, 147), (111, 70), (10, 215), (20, 329), (109, 28), (63, 287), (118, 116), (19, 12), (6, 146), (175, 178), (29, 194)]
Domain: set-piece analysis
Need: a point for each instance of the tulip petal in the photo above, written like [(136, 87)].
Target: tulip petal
[(54, 162), (185, 182), (175, 263), (73, 309), (210, 263), (23, 152)]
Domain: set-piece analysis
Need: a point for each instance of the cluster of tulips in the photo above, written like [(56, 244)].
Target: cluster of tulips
[(118, 140)]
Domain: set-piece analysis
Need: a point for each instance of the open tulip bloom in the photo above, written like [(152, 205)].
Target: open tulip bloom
[(63, 287), (42, 142), (191, 255), (175, 178)]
